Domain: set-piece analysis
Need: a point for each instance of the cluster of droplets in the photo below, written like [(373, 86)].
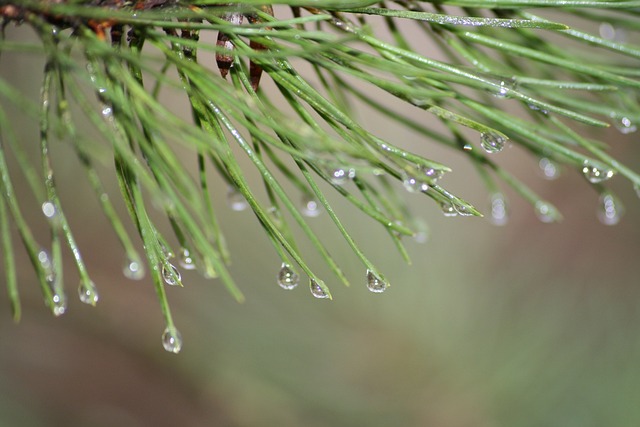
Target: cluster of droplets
[(610, 210), (492, 142), (596, 174), (172, 340), (548, 168), (375, 284), (287, 278), (499, 211)]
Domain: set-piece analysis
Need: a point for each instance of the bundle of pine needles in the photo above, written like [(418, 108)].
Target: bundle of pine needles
[(508, 79)]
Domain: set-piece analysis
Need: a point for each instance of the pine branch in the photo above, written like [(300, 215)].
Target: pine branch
[(507, 80)]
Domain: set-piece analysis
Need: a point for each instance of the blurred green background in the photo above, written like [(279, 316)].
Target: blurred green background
[(529, 324)]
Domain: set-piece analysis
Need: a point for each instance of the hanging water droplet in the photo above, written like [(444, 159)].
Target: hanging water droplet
[(375, 284), (550, 170), (625, 125), (133, 269), (340, 176), (316, 289), (185, 260), (499, 213), (49, 210), (88, 293), (461, 209), (609, 32), (47, 266), (172, 340), (421, 234), (310, 207), (546, 212), (58, 301), (492, 142), (448, 209), (236, 200), (413, 184), (610, 210), (287, 278), (44, 258), (171, 275), (595, 174)]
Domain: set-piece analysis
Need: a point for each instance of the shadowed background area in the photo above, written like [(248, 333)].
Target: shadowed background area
[(529, 324)]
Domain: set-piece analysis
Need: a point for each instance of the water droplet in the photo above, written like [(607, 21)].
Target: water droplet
[(504, 87), (461, 209), (467, 147), (625, 125), (44, 258), (49, 210), (492, 142), (499, 213), (422, 231), (448, 209), (58, 301), (316, 289), (413, 184), (595, 174), (185, 260), (107, 112), (607, 31), (375, 284), (432, 173), (536, 108), (341, 176), (610, 210), (287, 278), (47, 266), (310, 207), (88, 293), (236, 200), (133, 269), (171, 275), (172, 340), (546, 212), (550, 170)]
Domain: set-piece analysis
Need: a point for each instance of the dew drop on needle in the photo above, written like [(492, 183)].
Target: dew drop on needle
[(287, 278), (316, 289)]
